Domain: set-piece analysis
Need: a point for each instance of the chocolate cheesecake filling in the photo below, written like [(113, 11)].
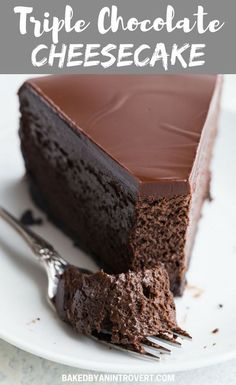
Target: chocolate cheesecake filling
[(130, 306)]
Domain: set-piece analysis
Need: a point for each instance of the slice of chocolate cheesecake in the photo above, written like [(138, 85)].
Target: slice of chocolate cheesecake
[(122, 162), (130, 306)]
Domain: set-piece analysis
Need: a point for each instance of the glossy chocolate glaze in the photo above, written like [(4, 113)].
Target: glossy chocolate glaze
[(151, 125)]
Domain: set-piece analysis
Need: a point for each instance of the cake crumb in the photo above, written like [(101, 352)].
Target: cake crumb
[(220, 305), (215, 330), (204, 347), (33, 321), (195, 290), (28, 219), (214, 344)]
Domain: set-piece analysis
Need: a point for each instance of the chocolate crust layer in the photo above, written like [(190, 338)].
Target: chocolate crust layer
[(128, 222)]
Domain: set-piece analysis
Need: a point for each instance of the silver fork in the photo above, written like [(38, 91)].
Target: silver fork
[(55, 266)]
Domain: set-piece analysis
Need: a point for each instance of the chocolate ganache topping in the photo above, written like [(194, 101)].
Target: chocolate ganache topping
[(151, 125)]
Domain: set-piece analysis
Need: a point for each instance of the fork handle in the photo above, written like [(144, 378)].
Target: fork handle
[(34, 241), (53, 263), (40, 247)]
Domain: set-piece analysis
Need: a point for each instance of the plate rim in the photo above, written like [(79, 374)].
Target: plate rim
[(167, 367)]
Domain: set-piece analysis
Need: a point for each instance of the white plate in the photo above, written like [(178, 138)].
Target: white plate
[(23, 283)]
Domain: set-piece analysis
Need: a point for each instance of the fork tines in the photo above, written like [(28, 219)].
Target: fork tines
[(148, 342), (182, 333), (105, 338), (168, 338), (173, 338), (149, 348)]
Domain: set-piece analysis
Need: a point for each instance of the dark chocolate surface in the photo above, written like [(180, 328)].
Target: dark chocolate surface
[(151, 125)]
